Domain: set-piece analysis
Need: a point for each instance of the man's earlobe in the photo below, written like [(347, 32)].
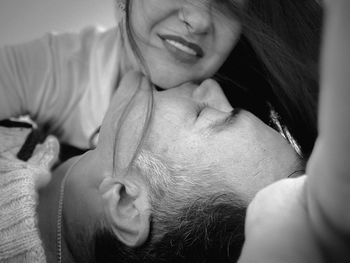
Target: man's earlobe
[(127, 209)]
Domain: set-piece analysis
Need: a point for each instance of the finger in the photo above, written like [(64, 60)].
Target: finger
[(46, 154), (43, 159)]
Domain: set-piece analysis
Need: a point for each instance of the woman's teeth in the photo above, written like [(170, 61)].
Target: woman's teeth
[(182, 47)]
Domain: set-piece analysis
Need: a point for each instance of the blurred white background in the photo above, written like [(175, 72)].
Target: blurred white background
[(23, 20)]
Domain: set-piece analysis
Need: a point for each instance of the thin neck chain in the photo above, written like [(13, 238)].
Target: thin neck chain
[(60, 212)]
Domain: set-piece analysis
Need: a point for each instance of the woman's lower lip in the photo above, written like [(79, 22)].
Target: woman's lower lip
[(178, 54)]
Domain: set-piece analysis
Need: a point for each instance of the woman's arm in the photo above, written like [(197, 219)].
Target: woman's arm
[(307, 219), (329, 168), (31, 75), (63, 81)]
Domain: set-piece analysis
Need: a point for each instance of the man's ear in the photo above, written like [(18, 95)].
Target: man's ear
[(127, 208)]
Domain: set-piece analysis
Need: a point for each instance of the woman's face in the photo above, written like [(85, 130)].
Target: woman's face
[(183, 40), (194, 127)]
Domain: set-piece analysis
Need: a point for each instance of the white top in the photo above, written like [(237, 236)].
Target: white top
[(64, 81)]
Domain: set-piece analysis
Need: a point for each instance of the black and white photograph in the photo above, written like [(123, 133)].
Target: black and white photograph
[(174, 131)]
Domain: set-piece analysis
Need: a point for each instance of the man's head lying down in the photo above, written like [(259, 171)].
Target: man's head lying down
[(170, 178)]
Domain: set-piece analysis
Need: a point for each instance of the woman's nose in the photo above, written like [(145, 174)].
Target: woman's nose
[(210, 92), (197, 17)]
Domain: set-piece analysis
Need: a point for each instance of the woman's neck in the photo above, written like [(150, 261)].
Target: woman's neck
[(130, 60)]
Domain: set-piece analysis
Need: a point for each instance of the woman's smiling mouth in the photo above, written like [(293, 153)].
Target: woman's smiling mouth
[(181, 49)]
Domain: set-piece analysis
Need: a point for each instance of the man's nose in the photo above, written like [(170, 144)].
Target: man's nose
[(210, 92), (197, 17)]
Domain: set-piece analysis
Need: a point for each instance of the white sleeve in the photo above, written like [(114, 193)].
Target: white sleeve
[(63, 81)]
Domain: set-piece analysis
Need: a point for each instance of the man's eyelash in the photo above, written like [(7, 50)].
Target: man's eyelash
[(200, 107)]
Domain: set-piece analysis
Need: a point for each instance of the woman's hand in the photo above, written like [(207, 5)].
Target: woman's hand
[(44, 157), (39, 165)]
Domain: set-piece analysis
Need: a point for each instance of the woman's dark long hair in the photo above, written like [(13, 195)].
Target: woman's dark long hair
[(276, 61)]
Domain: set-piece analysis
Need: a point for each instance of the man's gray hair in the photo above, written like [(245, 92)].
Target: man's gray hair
[(193, 218), (174, 186)]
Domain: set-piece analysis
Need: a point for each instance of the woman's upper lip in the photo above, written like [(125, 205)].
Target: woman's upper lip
[(196, 48)]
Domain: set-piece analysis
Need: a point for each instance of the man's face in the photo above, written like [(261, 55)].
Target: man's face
[(183, 40), (194, 128)]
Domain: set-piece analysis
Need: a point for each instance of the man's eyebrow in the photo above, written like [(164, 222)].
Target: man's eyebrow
[(224, 123)]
